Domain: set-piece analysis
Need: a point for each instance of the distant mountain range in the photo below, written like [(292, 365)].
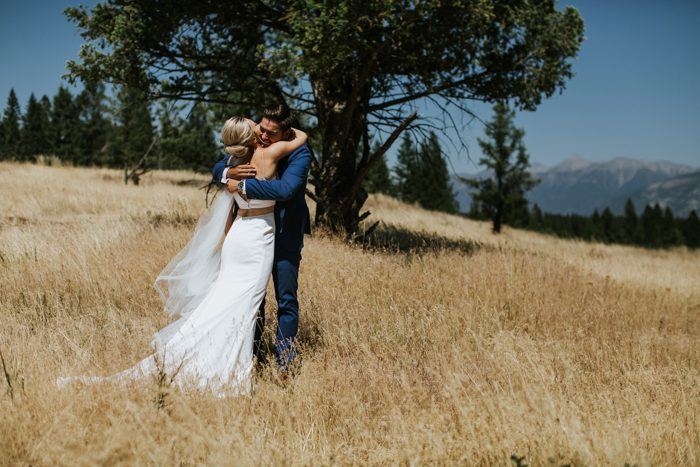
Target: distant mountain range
[(579, 186)]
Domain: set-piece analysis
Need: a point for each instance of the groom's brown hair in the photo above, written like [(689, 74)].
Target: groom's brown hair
[(281, 114)]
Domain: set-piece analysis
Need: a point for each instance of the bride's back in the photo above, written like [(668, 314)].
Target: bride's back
[(266, 167)]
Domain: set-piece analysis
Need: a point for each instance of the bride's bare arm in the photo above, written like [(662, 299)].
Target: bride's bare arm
[(282, 148)]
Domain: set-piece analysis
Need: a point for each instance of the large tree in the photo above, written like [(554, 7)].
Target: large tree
[(501, 196), (355, 67)]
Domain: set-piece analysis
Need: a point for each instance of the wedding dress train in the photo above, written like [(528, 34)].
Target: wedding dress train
[(215, 290)]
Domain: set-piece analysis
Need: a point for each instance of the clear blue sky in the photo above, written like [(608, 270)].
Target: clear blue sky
[(635, 93)]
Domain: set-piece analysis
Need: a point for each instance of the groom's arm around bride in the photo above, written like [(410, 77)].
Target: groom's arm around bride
[(288, 190)]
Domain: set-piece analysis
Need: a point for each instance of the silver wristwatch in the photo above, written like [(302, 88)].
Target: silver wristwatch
[(241, 189)]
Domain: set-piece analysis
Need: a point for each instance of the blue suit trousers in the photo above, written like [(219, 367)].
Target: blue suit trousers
[(285, 277)]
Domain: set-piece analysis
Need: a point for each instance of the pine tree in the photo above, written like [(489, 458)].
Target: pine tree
[(474, 210), (536, 220), (608, 225), (46, 106), (36, 131), (436, 192), (651, 225), (65, 123), (502, 196), (11, 133), (169, 153), (198, 136), (378, 180), (672, 236), (134, 133), (188, 143), (95, 130), (631, 226), (407, 171), (691, 230), (596, 226)]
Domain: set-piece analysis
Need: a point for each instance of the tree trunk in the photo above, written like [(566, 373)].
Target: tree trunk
[(338, 208), (342, 122), (497, 224)]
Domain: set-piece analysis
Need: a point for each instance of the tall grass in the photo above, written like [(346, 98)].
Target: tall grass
[(457, 347)]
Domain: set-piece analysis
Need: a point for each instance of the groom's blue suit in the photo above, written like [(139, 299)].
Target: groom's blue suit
[(292, 221)]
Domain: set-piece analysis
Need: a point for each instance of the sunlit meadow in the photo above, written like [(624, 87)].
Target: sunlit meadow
[(461, 347)]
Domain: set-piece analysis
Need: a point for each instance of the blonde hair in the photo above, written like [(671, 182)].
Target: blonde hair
[(238, 137)]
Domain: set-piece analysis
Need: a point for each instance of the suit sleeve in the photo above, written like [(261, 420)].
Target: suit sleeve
[(293, 179), (218, 170)]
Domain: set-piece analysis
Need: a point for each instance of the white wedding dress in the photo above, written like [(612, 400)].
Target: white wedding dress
[(215, 290)]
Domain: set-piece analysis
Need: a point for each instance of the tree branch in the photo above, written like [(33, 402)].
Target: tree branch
[(418, 95), (362, 171)]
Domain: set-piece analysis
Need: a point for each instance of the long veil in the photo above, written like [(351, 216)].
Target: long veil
[(189, 276)]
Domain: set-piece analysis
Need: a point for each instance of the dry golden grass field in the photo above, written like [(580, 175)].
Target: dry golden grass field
[(462, 349)]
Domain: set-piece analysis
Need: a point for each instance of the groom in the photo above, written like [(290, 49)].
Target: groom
[(291, 219)]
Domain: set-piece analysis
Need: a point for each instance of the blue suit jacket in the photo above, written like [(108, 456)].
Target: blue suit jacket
[(291, 211)]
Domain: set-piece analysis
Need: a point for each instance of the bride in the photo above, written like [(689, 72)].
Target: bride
[(214, 289)]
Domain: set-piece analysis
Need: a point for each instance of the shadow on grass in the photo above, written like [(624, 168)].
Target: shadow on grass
[(393, 239)]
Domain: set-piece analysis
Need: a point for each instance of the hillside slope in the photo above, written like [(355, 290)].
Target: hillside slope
[(559, 351)]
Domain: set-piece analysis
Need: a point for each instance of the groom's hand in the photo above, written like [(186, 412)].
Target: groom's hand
[(232, 185), (242, 171)]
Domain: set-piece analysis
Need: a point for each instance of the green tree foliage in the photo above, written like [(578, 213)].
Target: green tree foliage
[(79, 131), (691, 230), (186, 143), (198, 137), (36, 130), (407, 171), (65, 126), (651, 221), (536, 218), (435, 187), (422, 176), (95, 129), (47, 107), (378, 179), (632, 229), (168, 152), (502, 196), (671, 231), (134, 133), (11, 136), (660, 228), (610, 227), (596, 226), (368, 65)]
